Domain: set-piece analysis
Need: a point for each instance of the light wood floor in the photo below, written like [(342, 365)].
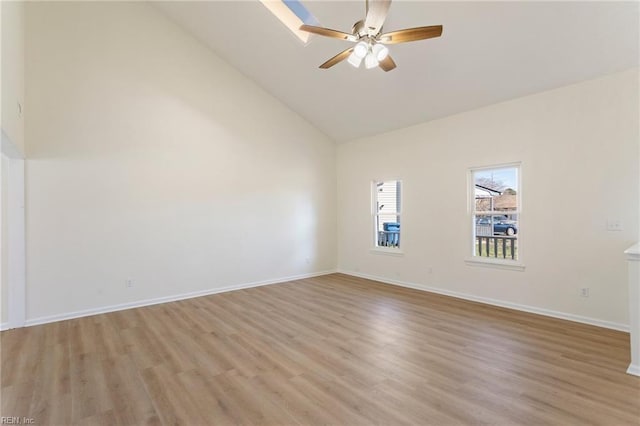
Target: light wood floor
[(329, 350)]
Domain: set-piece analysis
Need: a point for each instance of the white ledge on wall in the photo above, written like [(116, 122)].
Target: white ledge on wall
[(633, 252), (387, 251), (633, 261), (510, 265)]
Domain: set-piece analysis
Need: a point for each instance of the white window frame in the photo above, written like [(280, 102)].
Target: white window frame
[(473, 259), (393, 251)]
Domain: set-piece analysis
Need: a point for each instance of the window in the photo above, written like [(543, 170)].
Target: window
[(386, 213), (292, 14), (495, 212)]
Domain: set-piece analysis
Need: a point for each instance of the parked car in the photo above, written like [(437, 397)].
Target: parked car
[(500, 226)]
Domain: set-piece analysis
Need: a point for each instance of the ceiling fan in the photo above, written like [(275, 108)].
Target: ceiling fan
[(370, 41)]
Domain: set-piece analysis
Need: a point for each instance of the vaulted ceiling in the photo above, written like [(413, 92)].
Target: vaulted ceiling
[(489, 52)]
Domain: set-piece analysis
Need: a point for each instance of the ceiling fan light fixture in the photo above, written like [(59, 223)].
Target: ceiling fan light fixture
[(368, 37), (370, 61), (354, 60), (380, 51), (361, 49)]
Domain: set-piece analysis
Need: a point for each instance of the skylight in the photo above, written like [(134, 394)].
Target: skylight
[(292, 13)]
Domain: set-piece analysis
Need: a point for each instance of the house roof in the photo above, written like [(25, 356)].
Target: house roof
[(489, 190), (505, 201)]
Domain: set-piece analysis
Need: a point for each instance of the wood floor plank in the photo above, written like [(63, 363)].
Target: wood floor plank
[(300, 403), (331, 350), (89, 393), (127, 392), (173, 402)]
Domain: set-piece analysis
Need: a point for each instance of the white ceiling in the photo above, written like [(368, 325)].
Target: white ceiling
[(489, 52)]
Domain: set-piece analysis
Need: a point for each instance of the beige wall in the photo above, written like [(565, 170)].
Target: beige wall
[(4, 293), (150, 158), (12, 121), (579, 147), (13, 71)]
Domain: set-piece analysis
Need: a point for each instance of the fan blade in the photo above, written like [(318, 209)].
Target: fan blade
[(387, 64), (411, 34), (338, 58), (376, 14), (328, 32)]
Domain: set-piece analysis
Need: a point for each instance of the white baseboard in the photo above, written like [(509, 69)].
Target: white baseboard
[(4, 326), (165, 299), (634, 369), (495, 302)]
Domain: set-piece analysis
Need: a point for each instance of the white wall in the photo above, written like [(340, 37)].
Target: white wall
[(150, 158), (13, 70), (579, 147)]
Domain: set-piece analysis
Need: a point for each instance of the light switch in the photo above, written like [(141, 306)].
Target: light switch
[(614, 224)]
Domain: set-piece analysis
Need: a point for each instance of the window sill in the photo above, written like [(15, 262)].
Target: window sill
[(387, 251), (510, 265)]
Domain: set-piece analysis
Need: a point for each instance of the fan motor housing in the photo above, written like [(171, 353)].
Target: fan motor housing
[(360, 30)]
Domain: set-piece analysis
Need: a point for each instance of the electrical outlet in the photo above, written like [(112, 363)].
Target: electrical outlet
[(584, 292), (128, 283)]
